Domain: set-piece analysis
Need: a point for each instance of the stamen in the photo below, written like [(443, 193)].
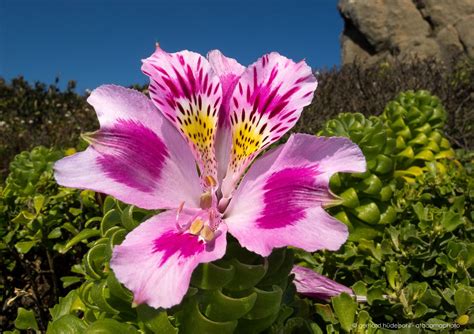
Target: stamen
[(205, 201), (209, 181), (207, 234), (196, 226), (180, 208)]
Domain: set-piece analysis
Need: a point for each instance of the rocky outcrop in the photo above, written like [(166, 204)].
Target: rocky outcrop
[(383, 29)]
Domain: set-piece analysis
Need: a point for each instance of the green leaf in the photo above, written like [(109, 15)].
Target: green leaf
[(451, 221), (212, 276), (246, 275), (345, 308), (99, 294), (96, 258), (368, 212), (195, 322), (111, 219), (267, 303), (127, 218), (75, 211), (70, 280), (431, 298), (257, 326), (155, 320), (350, 198), (420, 310), (220, 307), (384, 164), (38, 203), (24, 247), (108, 326), (55, 233), (325, 312), (26, 319), (371, 185), (118, 290), (67, 324), (374, 293), (462, 300), (391, 270), (71, 302), (437, 324), (109, 204), (359, 288), (22, 218), (81, 236)]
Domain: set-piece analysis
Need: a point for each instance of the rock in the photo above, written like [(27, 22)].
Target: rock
[(465, 28), (442, 13), (449, 42), (380, 29)]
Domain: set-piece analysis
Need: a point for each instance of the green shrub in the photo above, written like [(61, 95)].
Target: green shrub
[(40, 115), (417, 266), (40, 223), (241, 292), (410, 250)]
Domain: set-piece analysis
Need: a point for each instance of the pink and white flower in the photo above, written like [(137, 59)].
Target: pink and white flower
[(185, 150)]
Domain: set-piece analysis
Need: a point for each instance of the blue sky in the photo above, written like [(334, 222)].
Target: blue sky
[(103, 41)]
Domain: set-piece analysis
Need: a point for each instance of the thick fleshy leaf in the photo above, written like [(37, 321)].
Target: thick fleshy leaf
[(137, 156), (156, 260), (229, 71), (265, 104), (279, 201), (185, 88)]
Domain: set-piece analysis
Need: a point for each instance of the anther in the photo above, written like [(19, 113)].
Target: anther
[(209, 181), (196, 226), (205, 202), (207, 234)]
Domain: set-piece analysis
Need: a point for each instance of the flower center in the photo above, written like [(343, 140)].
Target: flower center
[(204, 224), (205, 220)]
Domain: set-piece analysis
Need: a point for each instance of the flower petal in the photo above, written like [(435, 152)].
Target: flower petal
[(137, 156), (229, 71), (279, 201), (184, 87), (156, 261), (311, 284), (266, 103)]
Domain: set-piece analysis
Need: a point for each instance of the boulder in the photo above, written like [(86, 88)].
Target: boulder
[(380, 29)]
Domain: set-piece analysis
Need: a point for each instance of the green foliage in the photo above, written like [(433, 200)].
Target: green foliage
[(26, 319), (410, 250), (32, 115), (416, 267), (39, 221), (240, 293), (366, 197)]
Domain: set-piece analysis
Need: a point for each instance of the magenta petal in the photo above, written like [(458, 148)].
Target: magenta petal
[(311, 284), (186, 90), (136, 156), (279, 201), (156, 261), (229, 71), (267, 101)]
